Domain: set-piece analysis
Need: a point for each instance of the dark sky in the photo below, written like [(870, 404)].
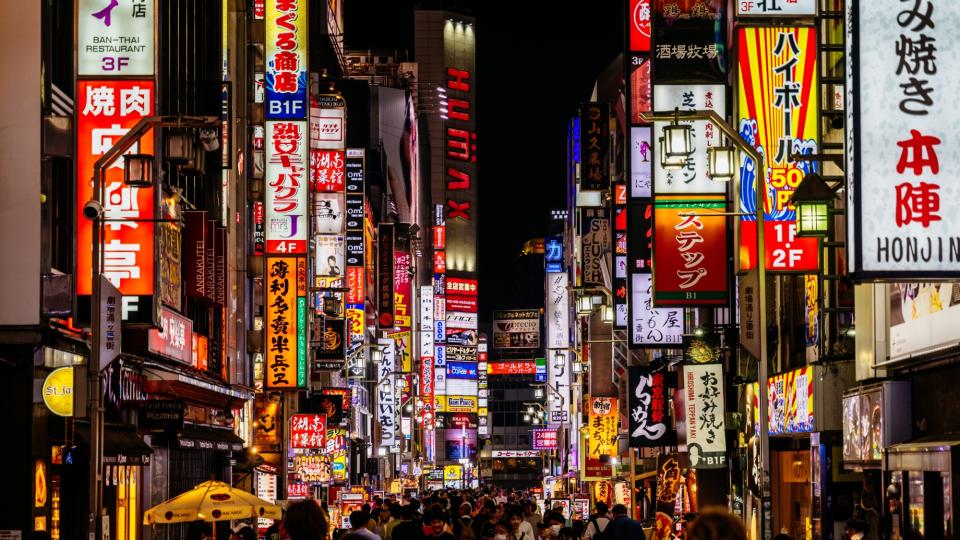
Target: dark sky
[(535, 62)]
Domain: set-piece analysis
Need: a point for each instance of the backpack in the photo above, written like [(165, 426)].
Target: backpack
[(597, 533)]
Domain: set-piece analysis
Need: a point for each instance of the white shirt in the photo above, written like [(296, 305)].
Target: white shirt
[(526, 532), (366, 533), (602, 522)]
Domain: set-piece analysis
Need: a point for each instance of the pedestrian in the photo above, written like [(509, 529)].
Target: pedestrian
[(383, 519), (622, 527), (530, 514), (520, 529), (597, 522), (304, 521), (716, 525), (359, 525), (463, 525), (394, 509), (408, 528), (436, 524)]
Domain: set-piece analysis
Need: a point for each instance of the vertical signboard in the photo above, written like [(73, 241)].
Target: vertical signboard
[(386, 394), (115, 38), (603, 426), (651, 326), (706, 440), (460, 156), (286, 60), (639, 15), (778, 114), (385, 276), (692, 177), (647, 413), (286, 187), (690, 251), (903, 202), (595, 241), (558, 311), (594, 146), (283, 322), (402, 290), (106, 110)]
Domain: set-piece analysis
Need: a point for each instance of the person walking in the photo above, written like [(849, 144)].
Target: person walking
[(622, 527), (304, 521), (716, 525), (597, 523)]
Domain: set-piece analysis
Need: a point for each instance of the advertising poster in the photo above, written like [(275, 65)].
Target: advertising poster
[(651, 326), (790, 402), (924, 317), (603, 426), (778, 113), (690, 251), (689, 41), (516, 329), (648, 415), (692, 177)]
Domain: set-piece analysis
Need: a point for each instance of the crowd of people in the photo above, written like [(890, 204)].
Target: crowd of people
[(481, 515)]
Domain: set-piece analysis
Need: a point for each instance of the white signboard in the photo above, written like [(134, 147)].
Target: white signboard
[(462, 320), (114, 37), (327, 128), (692, 178), (641, 161), (386, 406), (904, 210), (286, 184), (328, 213), (426, 321), (703, 393), (558, 311), (776, 8), (924, 317), (650, 325)]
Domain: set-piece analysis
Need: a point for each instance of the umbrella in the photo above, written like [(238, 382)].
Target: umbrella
[(211, 501)]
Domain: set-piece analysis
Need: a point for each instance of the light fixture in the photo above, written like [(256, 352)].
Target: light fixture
[(698, 332), (530, 409), (613, 461), (667, 162), (376, 355), (607, 314), (180, 146), (677, 138), (812, 200), (538, 393), (721, 162), (559, 360), (577, 367), (584, 305), (197, 165), (138, 170), (526, 418), (408, 408), (210, 139)]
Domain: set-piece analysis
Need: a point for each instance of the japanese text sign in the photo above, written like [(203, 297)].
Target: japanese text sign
[(639, 17), (690, 251), (544, 439), (692, 177), (791, 8), (286, 59), (602, 428), (778, 114), (115, 38), (327, 170), (594, 146), (386, 403), (286, 322), (286, 187), (106, 110), (525, 367), (904, 154), (648, 400), (650, 326), (706, 440), (308, 431)]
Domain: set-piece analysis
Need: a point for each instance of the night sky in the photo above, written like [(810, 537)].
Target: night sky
[(532, 71)]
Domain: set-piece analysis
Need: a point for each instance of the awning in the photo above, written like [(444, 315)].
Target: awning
[(121, 444), (208, 438), (170, 381), (926, 454)]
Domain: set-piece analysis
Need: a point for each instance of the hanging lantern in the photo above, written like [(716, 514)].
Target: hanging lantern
[(812, 200), (721, 161), (668, 162), (180, 147), (138, 170)]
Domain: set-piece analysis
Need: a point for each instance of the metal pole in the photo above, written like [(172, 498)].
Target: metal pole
[(633, 482), (93, 368), (762, 375)]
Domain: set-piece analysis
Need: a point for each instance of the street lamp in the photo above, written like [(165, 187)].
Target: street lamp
[(138, 170), (761, 317), (677, 138), (606, 314), (584, 304), (135, 170), (721, 161), (812, 199), (667, 161)]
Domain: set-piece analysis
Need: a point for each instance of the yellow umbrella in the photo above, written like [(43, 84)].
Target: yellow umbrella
[(211, 501)]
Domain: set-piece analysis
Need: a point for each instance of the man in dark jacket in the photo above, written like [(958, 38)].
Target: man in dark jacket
[(622, 527)]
